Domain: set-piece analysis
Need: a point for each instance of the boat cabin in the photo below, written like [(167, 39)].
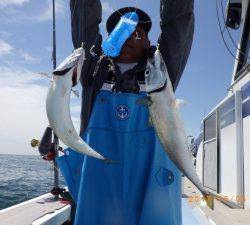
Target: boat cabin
[(223, 155)]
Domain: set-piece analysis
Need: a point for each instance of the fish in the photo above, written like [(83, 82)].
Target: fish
[(65, 76), (166, 119)]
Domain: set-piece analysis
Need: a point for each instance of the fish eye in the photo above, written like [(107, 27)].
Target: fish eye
[(147, 72)]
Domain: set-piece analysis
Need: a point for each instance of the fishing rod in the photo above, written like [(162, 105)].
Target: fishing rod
[(55, 139), (48, 146)]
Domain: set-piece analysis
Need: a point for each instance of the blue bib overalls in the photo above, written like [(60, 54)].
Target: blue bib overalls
[(143, 188)]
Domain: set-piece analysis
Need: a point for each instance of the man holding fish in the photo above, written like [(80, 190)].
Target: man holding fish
[(129, 116)]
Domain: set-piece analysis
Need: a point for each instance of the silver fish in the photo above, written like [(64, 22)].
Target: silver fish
[(67, 75), (166, 119)]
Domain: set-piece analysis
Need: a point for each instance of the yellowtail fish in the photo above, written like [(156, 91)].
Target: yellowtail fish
[(166, 119), (67, 75)]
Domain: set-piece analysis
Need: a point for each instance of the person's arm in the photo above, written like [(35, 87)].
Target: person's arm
[(177, 25), (86, 16)]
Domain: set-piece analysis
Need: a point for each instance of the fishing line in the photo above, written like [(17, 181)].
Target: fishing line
[(223, 38), (45, 75), (92, 49), (54, 167), (50, 78)]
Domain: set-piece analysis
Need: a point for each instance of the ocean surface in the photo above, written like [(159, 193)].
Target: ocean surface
[(23, 178)]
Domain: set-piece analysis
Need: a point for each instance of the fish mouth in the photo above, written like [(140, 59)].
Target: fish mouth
[(74, 77), (156, 75)]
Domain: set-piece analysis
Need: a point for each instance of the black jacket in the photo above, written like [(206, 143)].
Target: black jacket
[(177, 26)]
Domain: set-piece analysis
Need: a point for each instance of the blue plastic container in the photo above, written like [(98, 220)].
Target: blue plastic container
[(123, 30)]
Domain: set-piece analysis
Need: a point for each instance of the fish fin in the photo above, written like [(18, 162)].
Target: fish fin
[(145, 101), (150, 122), (150, 102), (180, 102), (209, 199), (75, 92), (110, 161)]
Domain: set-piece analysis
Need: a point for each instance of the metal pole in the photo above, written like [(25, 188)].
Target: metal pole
[(240, 150), (54, 36), (55, 140)]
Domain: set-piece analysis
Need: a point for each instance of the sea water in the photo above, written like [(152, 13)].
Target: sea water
[(23, 178)]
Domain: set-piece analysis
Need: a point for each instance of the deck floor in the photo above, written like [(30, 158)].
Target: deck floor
[(222, 214), (27, 212), (193, 211)]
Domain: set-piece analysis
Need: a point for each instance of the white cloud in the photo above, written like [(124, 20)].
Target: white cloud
[(5, 34), (22, 114), (47, 13), (107, 8), (14, 76), (41, 12), (5, 48), (12, 2), (19, 55), (49, 49), (12, 15), (28, 58)]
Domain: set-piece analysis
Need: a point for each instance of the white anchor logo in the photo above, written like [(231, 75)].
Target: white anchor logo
[(122, 112)]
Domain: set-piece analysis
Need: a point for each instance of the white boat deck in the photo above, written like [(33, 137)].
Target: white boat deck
[(221, 215), (46, 211), (41, 210)]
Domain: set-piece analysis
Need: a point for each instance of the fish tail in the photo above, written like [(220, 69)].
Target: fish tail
[(209, 199)]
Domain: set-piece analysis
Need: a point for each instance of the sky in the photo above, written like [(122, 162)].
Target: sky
[(25, 54)]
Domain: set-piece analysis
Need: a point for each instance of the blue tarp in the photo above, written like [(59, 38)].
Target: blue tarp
[(144, 188)]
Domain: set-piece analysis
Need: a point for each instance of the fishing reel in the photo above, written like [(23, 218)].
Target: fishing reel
[(34, 143), (46, 147)]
